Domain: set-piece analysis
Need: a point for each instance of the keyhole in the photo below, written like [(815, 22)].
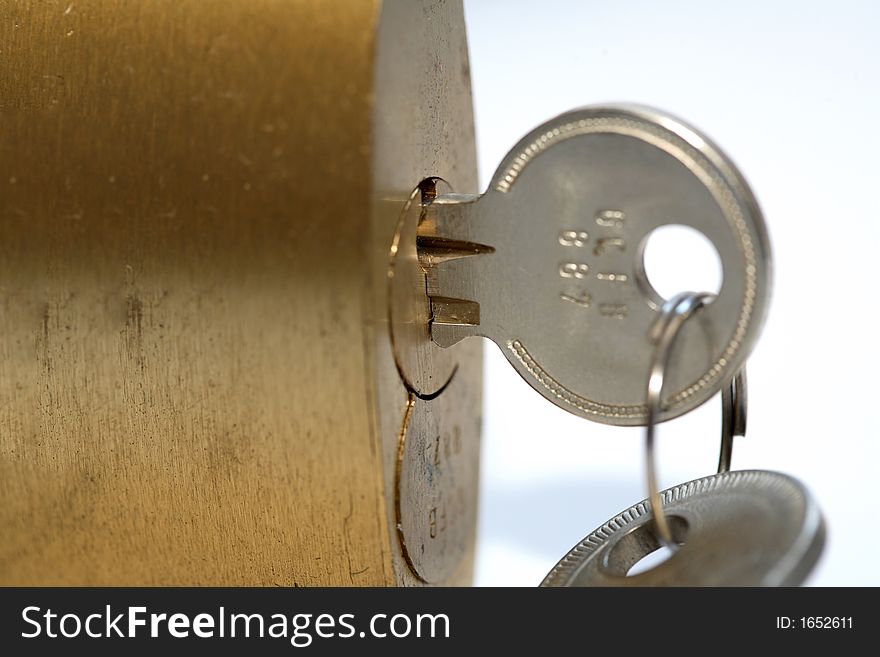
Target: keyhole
[(677, 258)]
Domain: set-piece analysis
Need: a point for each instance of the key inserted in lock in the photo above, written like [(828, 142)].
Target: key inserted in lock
[(548, 263)]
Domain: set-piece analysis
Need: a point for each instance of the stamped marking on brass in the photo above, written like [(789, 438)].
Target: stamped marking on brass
[(436, 478)]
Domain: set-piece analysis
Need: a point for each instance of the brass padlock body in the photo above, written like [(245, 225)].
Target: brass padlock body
[(196, 379)]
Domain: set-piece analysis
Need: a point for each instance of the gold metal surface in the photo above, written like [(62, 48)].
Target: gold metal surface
[(198, 200)]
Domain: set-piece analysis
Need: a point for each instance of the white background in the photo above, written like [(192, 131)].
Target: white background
[(791, 91)]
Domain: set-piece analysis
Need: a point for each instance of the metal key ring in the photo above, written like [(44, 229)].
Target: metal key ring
[(673, 314)]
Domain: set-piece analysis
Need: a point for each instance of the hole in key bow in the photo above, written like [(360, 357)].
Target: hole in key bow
[(674, 258), (640, 549)]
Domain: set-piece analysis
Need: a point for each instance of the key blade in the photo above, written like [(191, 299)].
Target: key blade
[(446, 251)]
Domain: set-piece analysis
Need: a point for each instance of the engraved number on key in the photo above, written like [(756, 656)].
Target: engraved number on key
[(612, 221), (572, 237), (612, 241)]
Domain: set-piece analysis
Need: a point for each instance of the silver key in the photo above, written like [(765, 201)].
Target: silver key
[(744, 528), (548, 262)]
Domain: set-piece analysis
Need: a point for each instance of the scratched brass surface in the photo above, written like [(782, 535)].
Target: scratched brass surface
[(198, 198), (415, 138)]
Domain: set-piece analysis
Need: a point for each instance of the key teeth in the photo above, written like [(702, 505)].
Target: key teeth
[(435, 250), (447, 335), (457, 312), (452, 319)]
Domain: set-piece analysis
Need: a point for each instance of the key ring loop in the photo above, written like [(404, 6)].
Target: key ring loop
[(673, 315)]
